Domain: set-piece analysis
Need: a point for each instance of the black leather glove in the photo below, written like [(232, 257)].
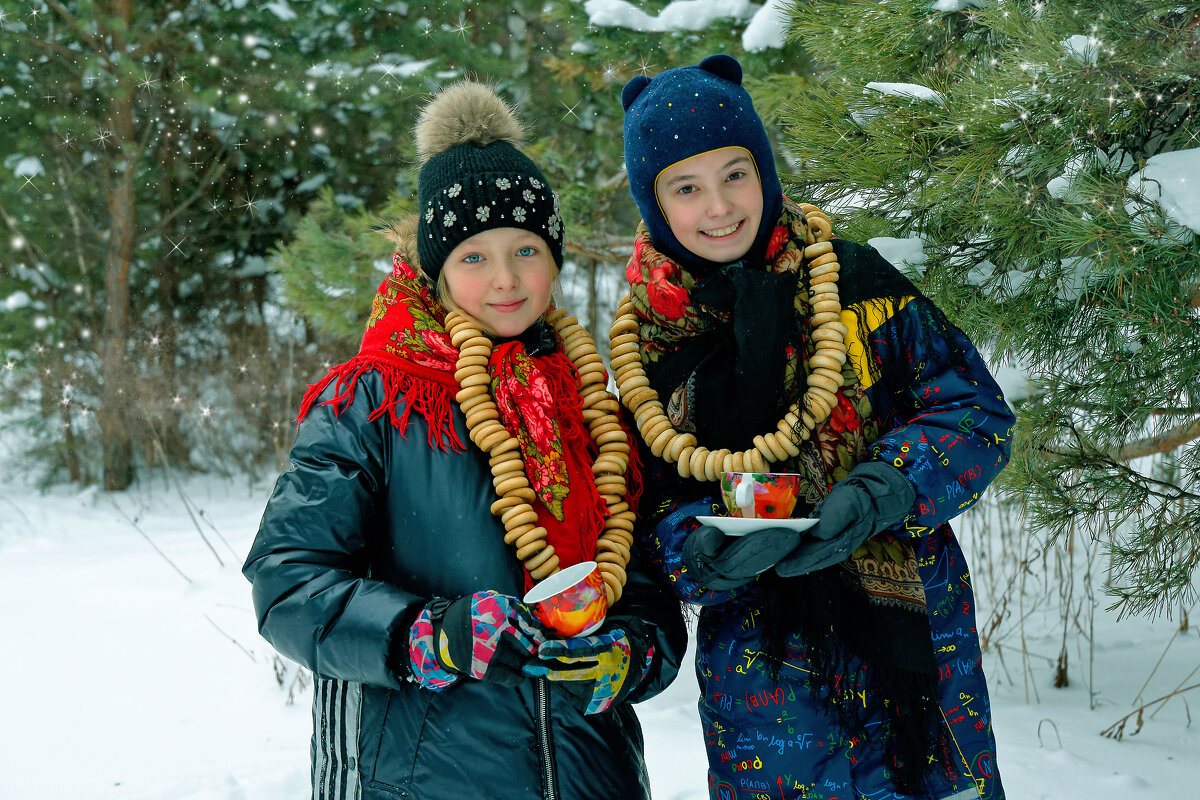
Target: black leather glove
[(874, 496), (719, 562)]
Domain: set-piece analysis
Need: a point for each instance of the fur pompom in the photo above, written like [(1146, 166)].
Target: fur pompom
[(465, 112)]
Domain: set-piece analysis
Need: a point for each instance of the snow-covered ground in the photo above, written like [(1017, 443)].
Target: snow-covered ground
[(125, 680)]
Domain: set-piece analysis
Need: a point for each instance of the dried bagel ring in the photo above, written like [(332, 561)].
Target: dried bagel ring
[(510, 443), (531, 549), (819, 359), (818, 249), (503, 457), (819, 378), (538, 533), (511, 536), (539, 561), (485, 429), (612, 464), (623, 326), (471, 391), (612, 437), (614, 569), (471, 361), (625, 338), (784, 439), (663, 440), (518, 515), (714, 465), (504, 504), (612, 588), (820, 227), (823, 264), (512, 483), (476, 350), (546, 568), (755, 461), (475, 341), (673, 451), (619, 524)]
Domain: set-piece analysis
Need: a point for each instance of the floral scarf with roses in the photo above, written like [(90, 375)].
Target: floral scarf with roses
[(535, 387)]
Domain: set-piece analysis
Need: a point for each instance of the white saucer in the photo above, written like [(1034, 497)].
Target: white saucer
[(739, 526)]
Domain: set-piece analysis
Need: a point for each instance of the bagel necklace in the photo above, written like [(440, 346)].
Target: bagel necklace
[(514, 506), (802, 418)]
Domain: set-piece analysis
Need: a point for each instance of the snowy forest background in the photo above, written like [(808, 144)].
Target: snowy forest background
[(188, 192)]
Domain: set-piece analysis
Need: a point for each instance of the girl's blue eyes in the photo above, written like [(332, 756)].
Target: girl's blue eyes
[(476, 258)]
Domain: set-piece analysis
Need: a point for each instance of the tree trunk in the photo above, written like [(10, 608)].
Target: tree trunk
[(121, 200), (593, 298)]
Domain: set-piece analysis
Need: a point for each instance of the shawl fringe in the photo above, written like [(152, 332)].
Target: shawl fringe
[(432, 399)]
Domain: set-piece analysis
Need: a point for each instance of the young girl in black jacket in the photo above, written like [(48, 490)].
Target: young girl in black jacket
[(391, 553)]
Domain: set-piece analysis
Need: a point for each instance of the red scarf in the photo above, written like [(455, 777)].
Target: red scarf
[(538, 398)]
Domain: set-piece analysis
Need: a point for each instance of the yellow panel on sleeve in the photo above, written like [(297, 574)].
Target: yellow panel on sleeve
[(874, 313)]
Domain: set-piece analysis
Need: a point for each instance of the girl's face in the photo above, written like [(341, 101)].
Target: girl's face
[(713, 203), (502, 277)]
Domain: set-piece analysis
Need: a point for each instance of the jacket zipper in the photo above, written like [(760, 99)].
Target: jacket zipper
[(543, 725)]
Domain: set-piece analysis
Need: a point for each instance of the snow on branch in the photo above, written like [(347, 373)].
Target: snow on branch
[(681, 15)]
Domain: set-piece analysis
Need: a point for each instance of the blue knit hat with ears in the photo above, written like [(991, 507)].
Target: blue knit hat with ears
[(682, 113)]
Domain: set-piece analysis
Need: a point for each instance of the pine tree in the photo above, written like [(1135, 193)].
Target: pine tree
[(1030, 149), (154, 154)]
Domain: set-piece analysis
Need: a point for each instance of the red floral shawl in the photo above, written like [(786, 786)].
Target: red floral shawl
[(406, 343)]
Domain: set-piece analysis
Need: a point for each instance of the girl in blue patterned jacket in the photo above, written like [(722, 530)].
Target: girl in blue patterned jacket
[(841, 662)]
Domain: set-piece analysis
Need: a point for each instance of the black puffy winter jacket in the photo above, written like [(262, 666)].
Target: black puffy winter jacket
[(359, 534)]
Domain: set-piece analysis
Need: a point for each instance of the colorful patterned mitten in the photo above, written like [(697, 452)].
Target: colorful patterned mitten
[(422, 654), (486, 635), (594, 671)]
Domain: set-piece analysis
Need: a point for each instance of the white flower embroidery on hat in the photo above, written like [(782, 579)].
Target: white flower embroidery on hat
[(519, 214), (503, 183), (454, 190), (535, 183), (429, 215), (449, 219), (482, 212), (554, 225), (529, 196)]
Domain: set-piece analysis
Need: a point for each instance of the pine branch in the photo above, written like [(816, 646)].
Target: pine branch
[(87, 37), (1163, 443), (65, 52), (610, 250)]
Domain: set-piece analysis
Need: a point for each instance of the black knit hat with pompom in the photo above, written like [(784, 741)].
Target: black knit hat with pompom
[(474, 178)]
